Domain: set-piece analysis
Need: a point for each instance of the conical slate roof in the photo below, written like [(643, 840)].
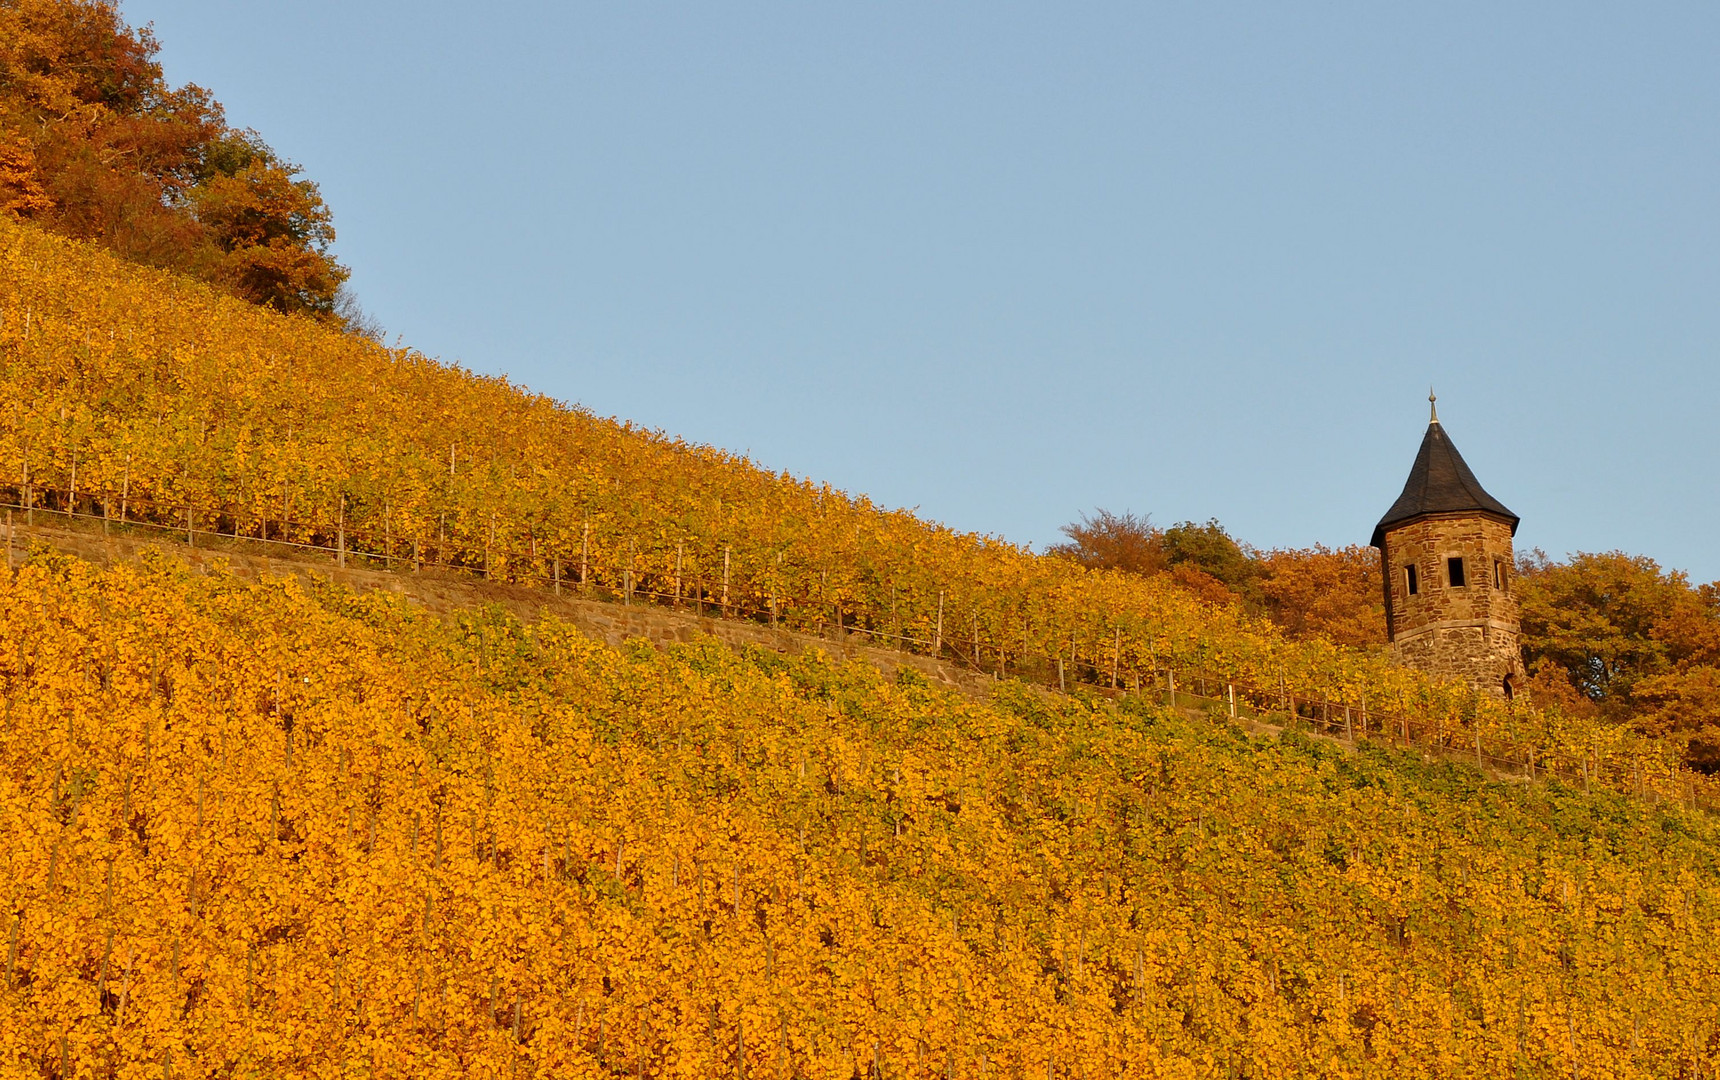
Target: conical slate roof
[(1440, 483)]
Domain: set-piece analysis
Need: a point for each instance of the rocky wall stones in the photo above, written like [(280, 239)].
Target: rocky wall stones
[(1449, 604)]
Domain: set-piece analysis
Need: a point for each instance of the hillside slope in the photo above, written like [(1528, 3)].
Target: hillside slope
[(276, 832), (134, 395)]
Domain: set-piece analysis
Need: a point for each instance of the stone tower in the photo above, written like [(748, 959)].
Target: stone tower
[(1445, 547)]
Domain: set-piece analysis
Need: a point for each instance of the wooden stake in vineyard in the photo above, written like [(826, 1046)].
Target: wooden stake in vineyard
[(773, 590)]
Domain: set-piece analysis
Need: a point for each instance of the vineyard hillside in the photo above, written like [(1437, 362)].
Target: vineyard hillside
[(273, 826), (143, 399), (277, 829)]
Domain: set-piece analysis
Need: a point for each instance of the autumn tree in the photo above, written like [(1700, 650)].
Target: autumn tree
[(21, 190), (1201, 559), (1107, 541), (1315, 592), (1211, 550), (272, 228), (1332, 592), (1637, 641), (95, 144)]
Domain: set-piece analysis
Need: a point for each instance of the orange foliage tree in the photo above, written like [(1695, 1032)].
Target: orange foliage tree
[(1638, 642), (1107, 541), (95, 144), (1332, 592), (1325, 592)]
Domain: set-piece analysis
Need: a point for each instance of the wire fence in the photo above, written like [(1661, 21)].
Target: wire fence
[(744, 594)]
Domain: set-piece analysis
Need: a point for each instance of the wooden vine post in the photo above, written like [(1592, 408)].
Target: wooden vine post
[(775, 578), (627, 580)]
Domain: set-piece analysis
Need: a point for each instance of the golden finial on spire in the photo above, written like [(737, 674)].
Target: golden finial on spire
[(1432, 406)]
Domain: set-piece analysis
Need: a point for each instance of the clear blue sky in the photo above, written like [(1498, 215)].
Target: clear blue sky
[(1007, 263)]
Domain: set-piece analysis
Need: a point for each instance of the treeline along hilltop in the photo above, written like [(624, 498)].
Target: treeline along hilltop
[(1607, 636)]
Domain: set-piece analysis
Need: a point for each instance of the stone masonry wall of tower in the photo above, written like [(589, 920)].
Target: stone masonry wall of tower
[(1468, 631)]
